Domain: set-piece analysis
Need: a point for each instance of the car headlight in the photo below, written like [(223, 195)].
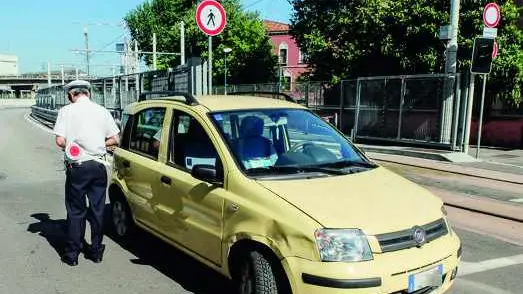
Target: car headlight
[(449, 226), (343, 245)]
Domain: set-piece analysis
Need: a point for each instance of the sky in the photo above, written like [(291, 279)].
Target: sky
[(42, 31)]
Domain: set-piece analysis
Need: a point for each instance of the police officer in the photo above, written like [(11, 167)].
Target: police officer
[(91, 129)]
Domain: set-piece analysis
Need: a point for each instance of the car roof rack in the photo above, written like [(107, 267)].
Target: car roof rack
[(167, 95), (256, 93)]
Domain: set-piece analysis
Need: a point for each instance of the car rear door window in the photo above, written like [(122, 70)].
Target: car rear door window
[(146, 132), (190, 144)]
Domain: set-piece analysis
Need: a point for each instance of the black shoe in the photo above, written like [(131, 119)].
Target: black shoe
[(71, 261), (95, 256)]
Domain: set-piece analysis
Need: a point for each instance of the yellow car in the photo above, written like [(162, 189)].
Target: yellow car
[(270, 195)]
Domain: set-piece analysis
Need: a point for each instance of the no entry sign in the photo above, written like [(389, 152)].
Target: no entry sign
[(491, 15), (211, 17)]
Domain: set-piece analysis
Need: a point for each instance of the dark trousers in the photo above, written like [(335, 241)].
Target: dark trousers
[(86, 179)]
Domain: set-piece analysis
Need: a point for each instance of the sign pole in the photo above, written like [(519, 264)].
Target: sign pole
[(480, 120), (470, 101), (210, 65)]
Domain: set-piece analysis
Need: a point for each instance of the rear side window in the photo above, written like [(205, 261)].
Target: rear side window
[(146, 132), (126, 127)]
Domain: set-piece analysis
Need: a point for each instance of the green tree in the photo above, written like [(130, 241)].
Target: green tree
[(347, 39), (251, 59)]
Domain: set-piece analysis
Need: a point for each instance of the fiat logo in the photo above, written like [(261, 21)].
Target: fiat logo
[(418, 235)]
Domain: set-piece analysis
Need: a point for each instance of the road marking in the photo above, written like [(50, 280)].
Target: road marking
[(518, 200), (476, 287), (507, 164), (33, 122), (468, 268)]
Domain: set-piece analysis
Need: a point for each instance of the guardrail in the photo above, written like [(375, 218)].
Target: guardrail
[(49, 115)]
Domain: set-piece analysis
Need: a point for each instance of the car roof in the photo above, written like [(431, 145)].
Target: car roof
[(227, 102)]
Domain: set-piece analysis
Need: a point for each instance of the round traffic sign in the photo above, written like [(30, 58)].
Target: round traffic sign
[(211, 17), (491, 15)]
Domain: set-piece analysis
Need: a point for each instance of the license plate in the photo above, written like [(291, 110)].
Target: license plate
[(429, 278)]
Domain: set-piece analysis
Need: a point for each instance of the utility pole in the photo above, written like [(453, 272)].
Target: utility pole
[(136, 59), (450, 68), (182, 43), (49, 73), (62, 70), (155, 60), (86, 35)]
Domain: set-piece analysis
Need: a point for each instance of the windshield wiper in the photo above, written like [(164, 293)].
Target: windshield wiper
[(349, 163), (293, 169)]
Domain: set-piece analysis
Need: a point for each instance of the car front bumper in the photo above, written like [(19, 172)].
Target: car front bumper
[(386, 273)]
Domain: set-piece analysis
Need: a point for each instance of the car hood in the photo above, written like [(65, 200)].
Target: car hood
[(375, 201)]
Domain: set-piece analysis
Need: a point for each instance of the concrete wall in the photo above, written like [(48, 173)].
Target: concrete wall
[(8, 65)]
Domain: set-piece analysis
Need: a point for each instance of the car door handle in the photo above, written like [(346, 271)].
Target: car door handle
[(126, 163), (166, 180)]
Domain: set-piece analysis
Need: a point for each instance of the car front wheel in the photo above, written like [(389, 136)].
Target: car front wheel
[(255, 275)]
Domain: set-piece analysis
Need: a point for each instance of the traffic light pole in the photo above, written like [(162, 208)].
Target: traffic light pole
[(480, 120), (450, 68)]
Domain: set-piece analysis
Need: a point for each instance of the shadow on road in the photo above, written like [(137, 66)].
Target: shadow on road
[(192, 275), (52, 230)]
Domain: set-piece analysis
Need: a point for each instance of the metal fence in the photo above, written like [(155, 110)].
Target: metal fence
[(406, 109), (115, 93)]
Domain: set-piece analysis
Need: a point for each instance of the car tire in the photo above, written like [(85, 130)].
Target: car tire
[(121, 218), (255, 275)]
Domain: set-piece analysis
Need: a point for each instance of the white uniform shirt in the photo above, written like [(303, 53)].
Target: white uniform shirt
[(87, 124)]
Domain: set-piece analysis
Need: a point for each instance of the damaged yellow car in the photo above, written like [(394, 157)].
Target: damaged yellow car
[(270, 195)]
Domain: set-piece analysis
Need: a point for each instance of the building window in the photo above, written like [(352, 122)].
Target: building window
[(283, 54), (303, 57)]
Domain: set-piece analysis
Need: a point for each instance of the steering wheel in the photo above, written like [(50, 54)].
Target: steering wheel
[(300, 145)]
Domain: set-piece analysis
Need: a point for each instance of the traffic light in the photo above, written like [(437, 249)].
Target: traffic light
[(482, 55)]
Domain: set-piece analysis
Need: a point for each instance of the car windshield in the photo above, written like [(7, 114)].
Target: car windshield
[(287, 141)]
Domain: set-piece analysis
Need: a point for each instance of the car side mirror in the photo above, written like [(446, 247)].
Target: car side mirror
[(207, 173)]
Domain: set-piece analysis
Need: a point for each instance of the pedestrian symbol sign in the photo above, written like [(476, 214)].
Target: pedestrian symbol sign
[(211, 17)]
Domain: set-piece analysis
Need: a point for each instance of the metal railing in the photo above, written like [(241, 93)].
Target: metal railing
[(401, 109)]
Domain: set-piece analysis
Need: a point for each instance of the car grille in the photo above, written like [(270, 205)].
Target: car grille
[(404, 239)]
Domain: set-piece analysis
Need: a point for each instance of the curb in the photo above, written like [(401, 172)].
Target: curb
[(449, 168), (409, 153), (481, 205)]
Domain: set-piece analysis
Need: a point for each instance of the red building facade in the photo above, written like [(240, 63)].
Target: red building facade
[(292, 63)]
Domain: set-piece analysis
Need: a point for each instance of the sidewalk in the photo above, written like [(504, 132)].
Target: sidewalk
[(504, 161), (495, 164)]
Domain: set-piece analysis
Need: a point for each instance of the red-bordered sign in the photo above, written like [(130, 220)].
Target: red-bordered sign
[(211, 17), (491, 15), (495, 50)]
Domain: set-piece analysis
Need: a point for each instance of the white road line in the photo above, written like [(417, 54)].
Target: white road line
[(33, 122), (476, 287), (468, 268), (518, 200), (507, 164)]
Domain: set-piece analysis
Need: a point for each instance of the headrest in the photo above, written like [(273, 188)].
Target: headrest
[(251, 126)]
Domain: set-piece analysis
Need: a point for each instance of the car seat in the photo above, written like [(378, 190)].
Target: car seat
[(252, 145)]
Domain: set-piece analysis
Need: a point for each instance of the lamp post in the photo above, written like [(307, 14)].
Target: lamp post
[(225, 50)]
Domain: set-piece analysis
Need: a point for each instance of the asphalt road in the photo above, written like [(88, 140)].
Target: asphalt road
[(32, 216)]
